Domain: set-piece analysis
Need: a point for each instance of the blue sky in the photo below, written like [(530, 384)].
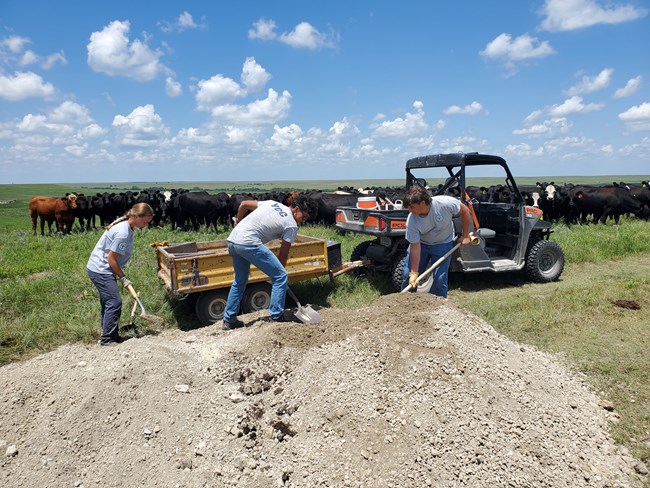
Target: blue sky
[(291, 90)]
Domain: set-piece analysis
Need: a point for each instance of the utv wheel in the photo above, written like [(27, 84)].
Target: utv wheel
[(211, 305), (256, 297), (545, 262), (359, 253), (397, 272)]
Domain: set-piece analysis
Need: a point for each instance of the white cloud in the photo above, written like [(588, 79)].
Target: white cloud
[(259, 112), (76, 149), (573, 105), (263, 29), (637, 117), (473, 108), (566, 15), (630, 88), (303, 36), (241, 135), (216, 91), (184, 22), (172, 87), (254, 76), (69, 125), (143, 127), (286, 136), (510, 51), (523, 150), (343, 128), (110, 52), (70, 113), (28, 57), (589, 84), (192, 135), (15, 44), (24, 85), (548, 128), (54, 59), (412, 124)]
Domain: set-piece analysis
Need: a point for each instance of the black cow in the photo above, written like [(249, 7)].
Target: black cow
[(235, 201), (604, 202), (326, 203), (200, 207), (85, 212)]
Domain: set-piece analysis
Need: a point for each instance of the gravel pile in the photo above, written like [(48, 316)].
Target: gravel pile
[(411, 391)]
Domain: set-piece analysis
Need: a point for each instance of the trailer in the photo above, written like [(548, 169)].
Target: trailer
[(205, 270)]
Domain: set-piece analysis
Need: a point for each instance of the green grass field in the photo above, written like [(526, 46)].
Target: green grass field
[(47, 300)]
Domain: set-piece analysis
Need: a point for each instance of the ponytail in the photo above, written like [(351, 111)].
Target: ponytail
[(138, 210)]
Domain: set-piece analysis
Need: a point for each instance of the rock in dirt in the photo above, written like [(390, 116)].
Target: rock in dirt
[(410, 391)]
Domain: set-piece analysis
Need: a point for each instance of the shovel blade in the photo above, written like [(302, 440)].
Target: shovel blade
[(308, 315)]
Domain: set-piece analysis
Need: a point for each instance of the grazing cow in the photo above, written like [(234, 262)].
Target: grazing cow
[(234, 203), (326, 204), (53, 209), (604, 202), (85, 212), (641, 193), (199, 207)]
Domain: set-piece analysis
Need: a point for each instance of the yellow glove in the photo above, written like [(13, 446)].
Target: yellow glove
[(413, 278)]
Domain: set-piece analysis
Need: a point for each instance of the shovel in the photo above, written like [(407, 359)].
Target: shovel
[(474, 240), (143, 313), (306, 315)]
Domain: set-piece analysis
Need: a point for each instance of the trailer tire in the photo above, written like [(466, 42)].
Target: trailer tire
[(211, 305), (545, 262), (256, 297)]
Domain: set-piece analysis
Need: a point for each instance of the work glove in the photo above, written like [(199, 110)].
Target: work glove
[(413, 277), (125, 282)]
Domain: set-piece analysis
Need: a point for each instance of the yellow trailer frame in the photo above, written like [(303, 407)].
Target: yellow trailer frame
[(205, 268)]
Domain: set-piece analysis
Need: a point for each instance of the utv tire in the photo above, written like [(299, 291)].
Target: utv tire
[(358, 253), (544, 262), (397, 272)]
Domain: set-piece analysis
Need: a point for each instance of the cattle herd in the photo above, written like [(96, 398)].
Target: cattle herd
[(183, 209)]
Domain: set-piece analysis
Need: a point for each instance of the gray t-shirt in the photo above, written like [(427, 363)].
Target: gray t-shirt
[(437, 226), (119, 239), (270, 220)]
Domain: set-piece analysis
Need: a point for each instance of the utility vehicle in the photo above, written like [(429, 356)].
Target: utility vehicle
[(513, 235)]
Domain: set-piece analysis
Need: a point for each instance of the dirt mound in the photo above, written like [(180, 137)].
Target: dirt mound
[(408, 392)]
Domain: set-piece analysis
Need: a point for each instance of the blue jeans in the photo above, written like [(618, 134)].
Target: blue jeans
[(111, 302), (263, 259), (429, 254)]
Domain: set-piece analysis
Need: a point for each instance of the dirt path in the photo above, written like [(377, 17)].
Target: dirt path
[(408, 392)]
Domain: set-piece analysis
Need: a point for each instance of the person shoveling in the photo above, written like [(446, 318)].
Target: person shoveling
[(430, 233), (109, 256), (259, 222)]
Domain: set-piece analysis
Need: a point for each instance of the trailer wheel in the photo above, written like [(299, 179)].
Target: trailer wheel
[(256, 297), (545, 262), (211, 305)]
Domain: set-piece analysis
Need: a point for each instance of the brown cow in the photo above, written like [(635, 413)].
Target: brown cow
[(53, 209)]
